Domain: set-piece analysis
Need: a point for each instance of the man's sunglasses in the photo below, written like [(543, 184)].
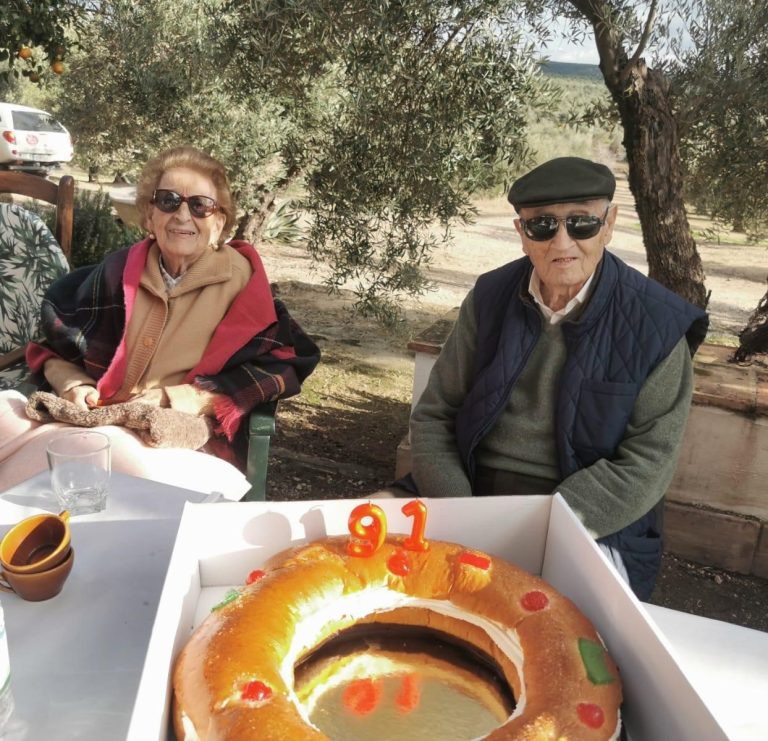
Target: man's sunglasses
[(169, 201), (544, 228)]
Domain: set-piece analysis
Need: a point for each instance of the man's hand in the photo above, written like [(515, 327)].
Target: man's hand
[(84, 397)]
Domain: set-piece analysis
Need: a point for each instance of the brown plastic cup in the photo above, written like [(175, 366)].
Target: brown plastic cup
[(40, 585), (38, 543)]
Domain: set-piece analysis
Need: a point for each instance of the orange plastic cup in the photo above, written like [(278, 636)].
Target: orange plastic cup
[(36, 544), (40, 585)]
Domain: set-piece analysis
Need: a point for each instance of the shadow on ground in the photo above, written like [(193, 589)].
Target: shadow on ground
[(345, 450)]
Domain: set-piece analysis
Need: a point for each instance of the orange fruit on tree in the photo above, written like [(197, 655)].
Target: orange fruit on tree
[(25, 52), (58, 67), (34, 77)]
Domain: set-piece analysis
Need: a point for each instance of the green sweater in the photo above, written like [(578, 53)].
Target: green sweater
[(607, 495)]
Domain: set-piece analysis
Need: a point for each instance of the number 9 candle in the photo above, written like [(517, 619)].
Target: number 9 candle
[(366, 538)]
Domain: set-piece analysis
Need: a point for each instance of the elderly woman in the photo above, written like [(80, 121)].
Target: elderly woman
[(183, 321)]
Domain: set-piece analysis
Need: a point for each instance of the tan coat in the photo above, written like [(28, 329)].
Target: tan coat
[(168, 331)]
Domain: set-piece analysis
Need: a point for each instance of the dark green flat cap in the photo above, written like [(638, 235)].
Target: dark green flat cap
[(562, 180)]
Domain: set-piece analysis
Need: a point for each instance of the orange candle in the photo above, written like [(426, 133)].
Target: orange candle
[(368, 526), (415, 541)]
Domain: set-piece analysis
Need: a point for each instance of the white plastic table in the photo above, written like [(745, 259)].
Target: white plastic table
[(76, 659), (726, 664)]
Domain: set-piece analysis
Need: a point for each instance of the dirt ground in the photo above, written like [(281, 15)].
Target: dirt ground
[(338, 439)]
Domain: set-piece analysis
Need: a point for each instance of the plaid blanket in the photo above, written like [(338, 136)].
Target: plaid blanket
[(257, 354)]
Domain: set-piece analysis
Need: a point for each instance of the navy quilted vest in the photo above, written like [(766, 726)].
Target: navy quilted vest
[(630, 324)]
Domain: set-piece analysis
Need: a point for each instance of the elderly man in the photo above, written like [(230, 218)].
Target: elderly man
[(566, 371)]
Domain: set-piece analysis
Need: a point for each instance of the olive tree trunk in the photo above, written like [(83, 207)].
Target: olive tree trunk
[(250, 226), (653, 156), (656, 182)]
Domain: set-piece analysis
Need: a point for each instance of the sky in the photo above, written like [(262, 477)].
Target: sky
[(563, 51)]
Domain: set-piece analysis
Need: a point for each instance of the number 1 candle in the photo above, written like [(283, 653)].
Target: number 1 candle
[(415, 541)]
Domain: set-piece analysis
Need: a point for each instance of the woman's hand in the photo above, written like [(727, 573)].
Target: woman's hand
[(83, 396)]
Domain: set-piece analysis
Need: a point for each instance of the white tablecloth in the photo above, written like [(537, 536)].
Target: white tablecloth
[(76, 659)]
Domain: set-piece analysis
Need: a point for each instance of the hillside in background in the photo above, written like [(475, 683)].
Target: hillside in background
[(572, 69), (550, 133)]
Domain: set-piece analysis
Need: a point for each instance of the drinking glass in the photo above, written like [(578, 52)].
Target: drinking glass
[(80, 468)]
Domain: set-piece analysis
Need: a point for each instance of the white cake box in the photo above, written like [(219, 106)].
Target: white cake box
[(218, 545)]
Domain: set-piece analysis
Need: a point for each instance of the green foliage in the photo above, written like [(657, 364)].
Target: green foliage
[(148, 77), (34, 35), (419, 101), (714, 53), (20, 90), (385, 116), (9, 88), (722, 87), (95, 231), (578, 119)]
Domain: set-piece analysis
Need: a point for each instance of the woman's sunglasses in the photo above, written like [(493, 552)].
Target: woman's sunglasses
[(544, 228), (169, 201)]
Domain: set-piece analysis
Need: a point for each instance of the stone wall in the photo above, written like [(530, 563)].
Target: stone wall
[(717, 504)]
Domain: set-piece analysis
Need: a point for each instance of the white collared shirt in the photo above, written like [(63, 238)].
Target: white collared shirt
[(555, 317), (168, 279)]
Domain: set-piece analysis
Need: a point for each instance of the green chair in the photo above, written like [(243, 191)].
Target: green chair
[(261, 427)]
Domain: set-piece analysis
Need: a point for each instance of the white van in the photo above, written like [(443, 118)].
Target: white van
[(31, 139)]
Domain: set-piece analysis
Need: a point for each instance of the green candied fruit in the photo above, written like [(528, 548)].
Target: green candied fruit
[(593, 656), (230, 596)]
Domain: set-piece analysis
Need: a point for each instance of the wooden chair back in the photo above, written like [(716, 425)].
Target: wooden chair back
[(61, 195)]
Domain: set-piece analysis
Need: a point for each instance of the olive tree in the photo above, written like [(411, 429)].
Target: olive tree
[(721, 79), (726, 72), (381, 117), (623, 32), (721, 82), (688, 82), (695, 122), (409, 106)]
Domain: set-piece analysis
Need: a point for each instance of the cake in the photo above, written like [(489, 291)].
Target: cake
[(236, 677)]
